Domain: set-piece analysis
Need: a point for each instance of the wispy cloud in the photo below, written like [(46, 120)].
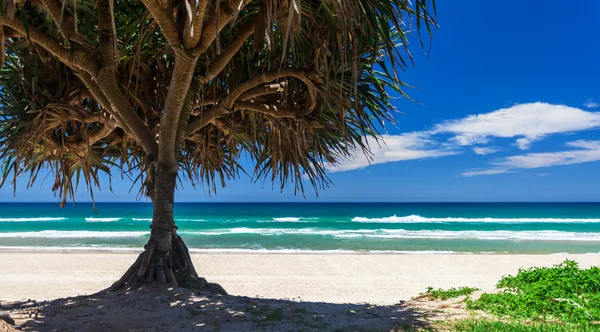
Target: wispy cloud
[(528, 122), (585, 151), (485, 150), (409, 146), (525, 123), (485, 172), (590, 103)]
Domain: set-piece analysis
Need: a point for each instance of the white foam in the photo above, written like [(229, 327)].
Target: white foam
[(419, 219), (359, 233), (289, 219), (408, 234), (142, 219), (292, 219), (102, 219), (278, 231), (32, 219), (233, 250), (87, 248), (262, 250), (488, 235), (72, 234), (334, 251)]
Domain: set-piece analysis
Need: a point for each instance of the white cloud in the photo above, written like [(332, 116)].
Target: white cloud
[(409, 146), (590, 103), (525, 123), (523, 143), (485, 172), (528, 122), (485, 150), (588, 151), (585, 152)]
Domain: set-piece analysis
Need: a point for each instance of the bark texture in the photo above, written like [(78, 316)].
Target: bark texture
[(166, 259)]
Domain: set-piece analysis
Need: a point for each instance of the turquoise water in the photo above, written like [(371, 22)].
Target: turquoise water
[(398, 227)]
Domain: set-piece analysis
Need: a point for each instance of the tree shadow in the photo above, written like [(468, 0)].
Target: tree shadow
[(152, 308)]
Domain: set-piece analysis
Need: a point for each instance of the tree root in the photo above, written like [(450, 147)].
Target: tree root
[(174, 268)]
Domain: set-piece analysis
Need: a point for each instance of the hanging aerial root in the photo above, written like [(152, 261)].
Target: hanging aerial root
[(173, 267)]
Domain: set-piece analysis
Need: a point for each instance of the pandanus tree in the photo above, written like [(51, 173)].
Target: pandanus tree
[(179, 90)]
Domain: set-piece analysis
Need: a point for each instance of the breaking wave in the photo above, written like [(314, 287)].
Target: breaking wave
[(418, 219), (32, 219), (409, 234), (101, 219), (72, 234)]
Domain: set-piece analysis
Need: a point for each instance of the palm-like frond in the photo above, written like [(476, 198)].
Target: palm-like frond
[(293, 84)]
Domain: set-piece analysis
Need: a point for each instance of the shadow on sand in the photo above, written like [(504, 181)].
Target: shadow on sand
[(153, 309)]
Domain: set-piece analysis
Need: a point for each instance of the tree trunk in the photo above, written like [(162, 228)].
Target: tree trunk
[(166, 259)]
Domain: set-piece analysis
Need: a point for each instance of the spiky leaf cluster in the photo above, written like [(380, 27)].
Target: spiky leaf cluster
[(88, 86)]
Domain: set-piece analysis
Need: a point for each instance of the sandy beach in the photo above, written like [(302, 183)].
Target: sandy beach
[(336, 278)]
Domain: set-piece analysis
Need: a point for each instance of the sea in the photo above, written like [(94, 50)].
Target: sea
[(410, 228)]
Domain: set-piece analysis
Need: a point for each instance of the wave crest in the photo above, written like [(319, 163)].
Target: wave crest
[(288, 219), (91, 219), (72, 234), (32, 219), (419, 219), (407, 234)]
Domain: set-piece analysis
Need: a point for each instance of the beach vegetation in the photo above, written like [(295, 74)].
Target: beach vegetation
[(445, 294), (171, 92), (276, 314), (564, 293), (483, 325)]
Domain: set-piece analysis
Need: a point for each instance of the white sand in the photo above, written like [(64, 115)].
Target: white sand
[(337, 278)]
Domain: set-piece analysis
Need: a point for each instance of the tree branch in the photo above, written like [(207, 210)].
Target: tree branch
[(217, 65), (107, 81), (274, 110), (99, 134), (105, 32), (210, 28), (186, 111), (66, 23), (143, 103), (75, 59), (181, 79), (165, 22), (104, 118), (99, 96), (262, 78), (226, 104), (193, 30), (211, 115), (263, 90)]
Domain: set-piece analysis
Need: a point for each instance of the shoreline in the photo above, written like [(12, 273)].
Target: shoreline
[(225, 251), (333, 278)]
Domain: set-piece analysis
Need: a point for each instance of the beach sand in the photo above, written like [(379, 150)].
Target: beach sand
[(382, 279)]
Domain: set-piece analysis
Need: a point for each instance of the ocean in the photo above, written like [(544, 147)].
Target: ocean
[(312, 227)]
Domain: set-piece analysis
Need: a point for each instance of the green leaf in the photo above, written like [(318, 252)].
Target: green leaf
[(25, 24)]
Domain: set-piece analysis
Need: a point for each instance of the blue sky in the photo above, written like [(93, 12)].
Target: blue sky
[(508, 110)]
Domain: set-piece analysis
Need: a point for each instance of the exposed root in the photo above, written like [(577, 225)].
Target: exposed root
[(129, 274), (173, 268)]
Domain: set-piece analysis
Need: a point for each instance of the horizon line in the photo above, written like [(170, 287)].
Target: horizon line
[(316, 202)]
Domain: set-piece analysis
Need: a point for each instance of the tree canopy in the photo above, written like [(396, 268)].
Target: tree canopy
[(191, 85)]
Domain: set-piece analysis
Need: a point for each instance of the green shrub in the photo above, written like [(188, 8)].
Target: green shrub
[(499, 326), (562, 292), (444, 294)]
